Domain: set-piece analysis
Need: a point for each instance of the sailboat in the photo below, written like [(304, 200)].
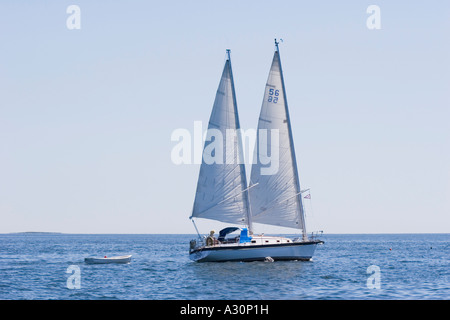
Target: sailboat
[(272, 197)]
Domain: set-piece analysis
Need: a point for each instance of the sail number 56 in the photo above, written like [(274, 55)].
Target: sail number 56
[(273, 95)]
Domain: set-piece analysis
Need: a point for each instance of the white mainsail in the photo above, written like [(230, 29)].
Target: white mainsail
[(275, 198), (222, 185)]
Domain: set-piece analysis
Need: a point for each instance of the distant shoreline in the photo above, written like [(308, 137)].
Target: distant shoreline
[(35, 232)]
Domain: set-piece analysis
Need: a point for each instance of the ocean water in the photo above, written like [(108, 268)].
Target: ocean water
[(383, 266)]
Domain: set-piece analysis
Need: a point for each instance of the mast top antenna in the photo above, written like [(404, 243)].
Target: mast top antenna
[(277, 42)]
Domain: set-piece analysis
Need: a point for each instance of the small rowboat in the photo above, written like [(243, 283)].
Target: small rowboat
[(117, 259)]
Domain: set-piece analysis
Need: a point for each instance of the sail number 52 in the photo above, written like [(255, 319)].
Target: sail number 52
[(273, 95)]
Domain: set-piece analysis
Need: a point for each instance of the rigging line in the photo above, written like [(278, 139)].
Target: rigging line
[(226, 199), (234, 195), (195, 226), (277, 203), (301, 214)]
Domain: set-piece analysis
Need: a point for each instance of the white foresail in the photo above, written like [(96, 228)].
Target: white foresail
[(221, 189), (276, 199)]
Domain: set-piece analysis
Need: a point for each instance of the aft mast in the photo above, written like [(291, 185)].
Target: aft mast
[(276, 196), (294, 160)]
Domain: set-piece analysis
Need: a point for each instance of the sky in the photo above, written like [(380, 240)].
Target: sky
[(86, 115)]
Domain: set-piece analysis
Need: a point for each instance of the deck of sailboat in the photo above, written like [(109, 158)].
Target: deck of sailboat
[(256, 242)]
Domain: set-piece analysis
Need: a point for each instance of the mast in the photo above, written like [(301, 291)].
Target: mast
[(291, 143), (242, 163)]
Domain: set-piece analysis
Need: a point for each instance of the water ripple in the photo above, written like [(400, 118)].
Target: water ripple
[(35, 267)]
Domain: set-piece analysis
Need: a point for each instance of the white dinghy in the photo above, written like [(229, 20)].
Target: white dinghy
[(105, 259)]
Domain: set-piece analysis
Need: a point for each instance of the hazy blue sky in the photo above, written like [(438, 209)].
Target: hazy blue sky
[(86, 115)]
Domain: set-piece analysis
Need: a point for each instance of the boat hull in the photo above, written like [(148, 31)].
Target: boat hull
[(247, 252), (119, 259)]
